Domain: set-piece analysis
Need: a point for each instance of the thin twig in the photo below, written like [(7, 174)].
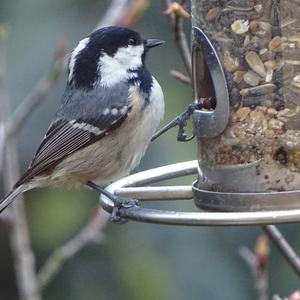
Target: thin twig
[(283, 246), (249, 258), (91, 233), (276, 297), (123, 13), (36, 96), (260, 279), (180, 77), (2, 142), (23, 256), (182, 45), (24, 261), (135, 11), (294, 296), (176, 22), (256, 262), (4, 92), (116, 9)]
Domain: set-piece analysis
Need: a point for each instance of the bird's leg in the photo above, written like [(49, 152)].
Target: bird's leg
[(183, 118), (181, 122), (119, 202)]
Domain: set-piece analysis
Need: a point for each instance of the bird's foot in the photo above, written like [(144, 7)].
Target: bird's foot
[(120, 203)]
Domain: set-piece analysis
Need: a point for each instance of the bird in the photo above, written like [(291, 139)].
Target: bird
[(110, 109)]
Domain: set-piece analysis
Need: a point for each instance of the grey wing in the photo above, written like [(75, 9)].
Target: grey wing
[(67, 135)]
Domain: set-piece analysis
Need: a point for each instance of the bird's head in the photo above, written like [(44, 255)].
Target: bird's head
[(107, 56)]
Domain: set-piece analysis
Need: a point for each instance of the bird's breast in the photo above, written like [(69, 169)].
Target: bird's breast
[(142, 121)]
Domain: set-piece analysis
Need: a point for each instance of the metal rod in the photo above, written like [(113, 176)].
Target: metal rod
[(157, 192), (207, 218)]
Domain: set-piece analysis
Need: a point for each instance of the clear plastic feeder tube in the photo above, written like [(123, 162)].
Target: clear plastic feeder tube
[(258, 45)]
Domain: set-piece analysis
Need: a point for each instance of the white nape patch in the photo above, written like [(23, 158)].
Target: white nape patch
[(114, 69), (87, 127), (81, 45)]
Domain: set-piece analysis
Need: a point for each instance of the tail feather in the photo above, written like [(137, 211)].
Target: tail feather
[(10, 197)]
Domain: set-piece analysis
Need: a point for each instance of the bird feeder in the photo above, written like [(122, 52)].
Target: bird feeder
[(246, 60)]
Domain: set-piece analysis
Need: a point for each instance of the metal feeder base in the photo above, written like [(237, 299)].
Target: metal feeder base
[(247, 202)]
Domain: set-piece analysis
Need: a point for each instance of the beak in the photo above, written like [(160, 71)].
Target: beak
[(152, 43)]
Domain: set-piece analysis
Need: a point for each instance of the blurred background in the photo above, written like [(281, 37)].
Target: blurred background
[(134, 261)]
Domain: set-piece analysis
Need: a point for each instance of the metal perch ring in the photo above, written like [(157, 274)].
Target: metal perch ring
[(133, 187)]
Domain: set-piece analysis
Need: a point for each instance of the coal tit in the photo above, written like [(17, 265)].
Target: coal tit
[(110, 109)]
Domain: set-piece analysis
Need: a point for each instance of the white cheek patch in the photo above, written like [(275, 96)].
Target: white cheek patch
[(81, 45), (116, 68), (130, 57)]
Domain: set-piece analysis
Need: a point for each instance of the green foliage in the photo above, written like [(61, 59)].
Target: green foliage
[(56, 215)]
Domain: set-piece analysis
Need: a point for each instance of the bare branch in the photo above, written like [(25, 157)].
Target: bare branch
[(116, 9), (19, 236), (36, 96), (276, 297), (283, 246), (180, 77), (123, 12), (91, 233), (23, 256), (182, 45), (137, 9), (256, 261), (249, 258), (2, 142), (176, 13), (3, 90), (293, 296)]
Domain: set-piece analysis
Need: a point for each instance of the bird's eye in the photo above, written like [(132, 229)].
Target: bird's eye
[(132, 41)]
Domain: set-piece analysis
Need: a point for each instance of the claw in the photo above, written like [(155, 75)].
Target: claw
[(121, 203), (181, 122)]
